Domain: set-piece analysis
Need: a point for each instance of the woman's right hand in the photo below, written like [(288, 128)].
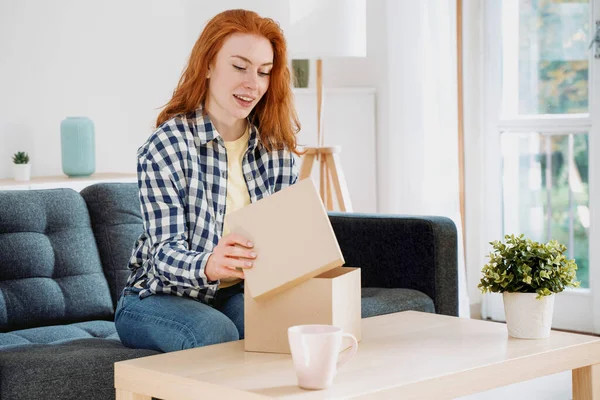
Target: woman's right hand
[(233, 251)]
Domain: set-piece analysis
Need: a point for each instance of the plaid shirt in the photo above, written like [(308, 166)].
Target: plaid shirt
[(182, 178)]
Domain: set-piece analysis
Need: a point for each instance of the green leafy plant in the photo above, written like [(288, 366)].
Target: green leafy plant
[(21, 158), (522, 265)]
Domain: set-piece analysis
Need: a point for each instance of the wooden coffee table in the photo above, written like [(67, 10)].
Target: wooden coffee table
[(407, 355)]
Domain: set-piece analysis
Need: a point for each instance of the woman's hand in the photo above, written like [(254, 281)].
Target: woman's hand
[(233, 251)]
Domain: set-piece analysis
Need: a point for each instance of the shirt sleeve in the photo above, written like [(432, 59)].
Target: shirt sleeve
[(294, 169), (288, 172), (166, 227)]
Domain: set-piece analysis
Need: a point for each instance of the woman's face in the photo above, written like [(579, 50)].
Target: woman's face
[(239, 76)]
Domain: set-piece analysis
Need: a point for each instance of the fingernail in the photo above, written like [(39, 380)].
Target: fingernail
[(253, 254), (248, 264), (250, 244)]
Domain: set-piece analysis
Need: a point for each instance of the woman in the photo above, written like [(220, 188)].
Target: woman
[(224, 140)]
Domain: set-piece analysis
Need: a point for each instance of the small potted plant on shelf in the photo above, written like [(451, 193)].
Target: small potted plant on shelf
[(528, 274), (21, 166)]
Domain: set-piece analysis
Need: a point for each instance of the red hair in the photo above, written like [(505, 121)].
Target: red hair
[(274, 114)]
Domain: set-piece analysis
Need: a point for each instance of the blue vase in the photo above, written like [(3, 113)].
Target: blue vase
[(78, 146)]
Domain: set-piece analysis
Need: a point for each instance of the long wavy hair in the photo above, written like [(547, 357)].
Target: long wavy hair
[(275, 114)]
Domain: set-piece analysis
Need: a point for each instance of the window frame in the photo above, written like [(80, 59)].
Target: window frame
[(585, 301)]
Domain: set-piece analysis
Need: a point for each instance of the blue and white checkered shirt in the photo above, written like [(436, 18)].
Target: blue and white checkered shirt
[(182, 178)]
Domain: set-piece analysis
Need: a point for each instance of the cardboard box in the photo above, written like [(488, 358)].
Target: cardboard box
[(292, 237), (331, 298), (297, 277)]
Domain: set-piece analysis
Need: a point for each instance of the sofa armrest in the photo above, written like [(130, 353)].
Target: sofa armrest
[(397, 251)]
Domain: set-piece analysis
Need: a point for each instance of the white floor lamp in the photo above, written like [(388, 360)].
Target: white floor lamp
[(321, 29)]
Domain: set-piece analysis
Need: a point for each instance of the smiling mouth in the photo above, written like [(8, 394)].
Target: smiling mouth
[(244, 98)]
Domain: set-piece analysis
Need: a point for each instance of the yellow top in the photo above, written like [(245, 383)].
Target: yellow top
[(237, 190)]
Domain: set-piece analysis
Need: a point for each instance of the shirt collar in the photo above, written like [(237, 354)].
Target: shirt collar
[(207, 131)]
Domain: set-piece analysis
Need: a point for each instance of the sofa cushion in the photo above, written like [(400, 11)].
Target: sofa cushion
[(116, 219), (378, 301), (50, 270), (79, 369), (60, 333)]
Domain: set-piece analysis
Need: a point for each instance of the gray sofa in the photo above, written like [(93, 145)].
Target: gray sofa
[(63, 258)]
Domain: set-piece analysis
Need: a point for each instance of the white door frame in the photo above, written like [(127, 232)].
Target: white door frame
[(594, 174), (577, 310)]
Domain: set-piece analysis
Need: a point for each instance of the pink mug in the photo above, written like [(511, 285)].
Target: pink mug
[(315, 350)]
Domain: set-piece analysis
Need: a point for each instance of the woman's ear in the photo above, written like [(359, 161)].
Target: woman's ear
[(208, 73)]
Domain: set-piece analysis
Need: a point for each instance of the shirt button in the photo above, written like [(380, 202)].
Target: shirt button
[(221, 211), (248, 176), (224, 174)]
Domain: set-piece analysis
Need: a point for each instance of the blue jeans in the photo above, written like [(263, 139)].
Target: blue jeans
[(166, 322)]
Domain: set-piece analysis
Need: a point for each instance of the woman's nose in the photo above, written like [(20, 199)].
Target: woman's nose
[(251, 81)]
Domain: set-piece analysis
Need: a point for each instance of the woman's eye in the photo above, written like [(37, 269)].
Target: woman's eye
[(239, 68), (264, 73)]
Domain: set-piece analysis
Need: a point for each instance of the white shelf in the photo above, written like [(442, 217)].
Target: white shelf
[(63, 181)]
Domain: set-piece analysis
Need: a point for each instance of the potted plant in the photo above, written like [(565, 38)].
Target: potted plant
[(528, 274), (21, 166)]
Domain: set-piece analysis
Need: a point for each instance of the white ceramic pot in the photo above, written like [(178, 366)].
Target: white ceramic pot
[(528, 317), (22, 172)]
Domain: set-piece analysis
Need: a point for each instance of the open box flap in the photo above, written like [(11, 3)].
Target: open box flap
[(292, 237)]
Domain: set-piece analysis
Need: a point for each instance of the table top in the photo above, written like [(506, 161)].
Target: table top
[(403, 355)]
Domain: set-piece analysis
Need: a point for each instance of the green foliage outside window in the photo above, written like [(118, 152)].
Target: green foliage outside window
[(554, 37), (553, 56)]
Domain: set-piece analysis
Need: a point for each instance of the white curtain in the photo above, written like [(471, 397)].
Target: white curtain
[(418, 171)]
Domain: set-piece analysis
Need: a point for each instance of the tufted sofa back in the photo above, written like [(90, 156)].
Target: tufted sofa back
[(117, 223), (50, 270)]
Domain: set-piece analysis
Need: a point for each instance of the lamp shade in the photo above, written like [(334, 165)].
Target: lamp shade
[(326, 28)]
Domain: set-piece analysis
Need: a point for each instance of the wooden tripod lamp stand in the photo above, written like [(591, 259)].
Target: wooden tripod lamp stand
[(331, 175), (324, 29)]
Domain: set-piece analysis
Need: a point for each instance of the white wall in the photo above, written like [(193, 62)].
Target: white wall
[(117, 62)]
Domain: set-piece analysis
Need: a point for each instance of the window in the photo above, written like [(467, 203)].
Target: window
[(546, 191), (543, 133)]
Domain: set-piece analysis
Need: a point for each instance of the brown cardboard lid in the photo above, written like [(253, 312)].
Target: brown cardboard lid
[(292, 237)]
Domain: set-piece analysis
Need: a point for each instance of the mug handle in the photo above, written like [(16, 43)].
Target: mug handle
[(352, 352)]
